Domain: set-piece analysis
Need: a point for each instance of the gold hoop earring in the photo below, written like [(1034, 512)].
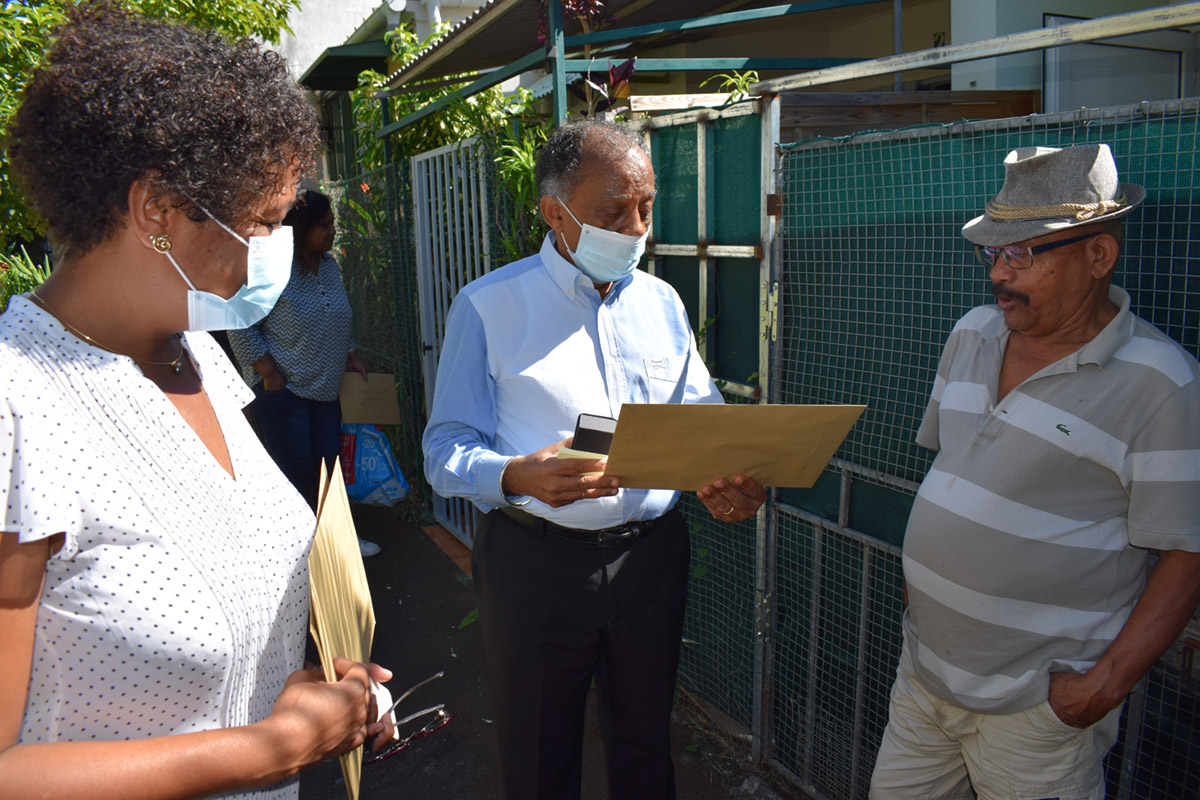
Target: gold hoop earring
[(161, 242)]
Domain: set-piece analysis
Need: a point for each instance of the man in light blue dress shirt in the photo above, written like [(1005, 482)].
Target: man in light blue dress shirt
[(576, 577)]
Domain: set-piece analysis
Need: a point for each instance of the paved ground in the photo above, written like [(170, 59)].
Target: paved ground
[(421, 597)]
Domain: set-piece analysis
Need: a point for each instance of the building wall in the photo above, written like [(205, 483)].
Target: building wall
[(972, 20), (427, 13), (320, 24)]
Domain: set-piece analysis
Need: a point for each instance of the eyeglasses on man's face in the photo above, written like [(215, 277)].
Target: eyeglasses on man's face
[(1021, 256)]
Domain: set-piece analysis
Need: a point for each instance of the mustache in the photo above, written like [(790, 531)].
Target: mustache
[(1000, 291)]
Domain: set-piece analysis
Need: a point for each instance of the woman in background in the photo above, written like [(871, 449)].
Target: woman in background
[(153, 560), (296, 356)]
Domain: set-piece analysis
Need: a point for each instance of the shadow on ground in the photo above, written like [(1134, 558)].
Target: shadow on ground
[(421, 600)]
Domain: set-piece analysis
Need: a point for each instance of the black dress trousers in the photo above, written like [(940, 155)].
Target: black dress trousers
[(554, 613)]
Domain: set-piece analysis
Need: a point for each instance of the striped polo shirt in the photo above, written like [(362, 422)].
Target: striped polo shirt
[(1026, 547)]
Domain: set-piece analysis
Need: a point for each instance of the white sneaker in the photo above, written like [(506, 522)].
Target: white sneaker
[(367, 549)]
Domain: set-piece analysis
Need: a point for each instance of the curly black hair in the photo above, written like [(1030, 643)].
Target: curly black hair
[(310, 208), (560, 164), (119, 97)]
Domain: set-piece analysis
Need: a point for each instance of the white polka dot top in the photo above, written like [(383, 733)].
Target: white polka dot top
[(179, 600)]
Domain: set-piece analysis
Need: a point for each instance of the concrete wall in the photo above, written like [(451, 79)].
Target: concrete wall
[(972, 20), (320, 24), (427, 13)]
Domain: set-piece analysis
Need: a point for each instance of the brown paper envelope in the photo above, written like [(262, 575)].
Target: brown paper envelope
[(685, 447), (322, 487), (372, 401), (342, 619)]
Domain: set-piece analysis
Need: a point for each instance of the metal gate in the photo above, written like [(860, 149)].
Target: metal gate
[(713, 237), (451, 199)]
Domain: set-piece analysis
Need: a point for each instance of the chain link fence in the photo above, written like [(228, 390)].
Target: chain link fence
[(376, 253)]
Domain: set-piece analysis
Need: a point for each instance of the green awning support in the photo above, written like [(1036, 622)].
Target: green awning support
[(486, 82), (557, 53), (705, 64)]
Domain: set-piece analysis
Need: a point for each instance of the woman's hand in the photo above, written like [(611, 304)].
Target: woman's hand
[(314, 719), (385, 719), (355, 364), (273, 380)]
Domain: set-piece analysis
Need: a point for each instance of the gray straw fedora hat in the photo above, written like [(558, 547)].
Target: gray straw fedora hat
[(1047, 189)]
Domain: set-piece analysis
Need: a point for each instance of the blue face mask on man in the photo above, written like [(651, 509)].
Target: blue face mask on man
[(268, 269), (605, 256)]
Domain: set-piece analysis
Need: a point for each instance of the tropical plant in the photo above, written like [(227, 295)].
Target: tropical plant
[(589, 14), (599, 90), (508, 128), (461, 119), (737, 84), (25, 28), (604, 91), (516, 156), (19, 274)]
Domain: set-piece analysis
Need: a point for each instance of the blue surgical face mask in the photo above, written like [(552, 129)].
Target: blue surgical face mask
[(268, 269), (605, 256)]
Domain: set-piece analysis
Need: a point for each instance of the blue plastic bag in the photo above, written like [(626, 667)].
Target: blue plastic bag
[(370, 470)]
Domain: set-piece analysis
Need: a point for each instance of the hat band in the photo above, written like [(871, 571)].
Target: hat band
[(1080, 211)]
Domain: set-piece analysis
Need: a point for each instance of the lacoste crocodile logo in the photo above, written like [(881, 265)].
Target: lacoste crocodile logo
[(1063, 428)]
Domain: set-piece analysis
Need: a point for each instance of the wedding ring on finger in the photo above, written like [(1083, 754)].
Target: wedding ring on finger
[(729, 511)]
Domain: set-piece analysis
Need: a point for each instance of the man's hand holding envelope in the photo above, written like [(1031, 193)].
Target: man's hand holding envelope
[(656, 447)]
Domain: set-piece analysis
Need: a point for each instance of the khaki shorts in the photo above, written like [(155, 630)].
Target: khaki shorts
[(932, 750)]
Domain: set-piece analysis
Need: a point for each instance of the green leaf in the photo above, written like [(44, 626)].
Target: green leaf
[(471, 616)]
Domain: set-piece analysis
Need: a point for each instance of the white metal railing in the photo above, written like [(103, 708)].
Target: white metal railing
[(453, 243)]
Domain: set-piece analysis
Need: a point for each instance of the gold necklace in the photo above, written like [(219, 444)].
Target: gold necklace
[(176, 364)]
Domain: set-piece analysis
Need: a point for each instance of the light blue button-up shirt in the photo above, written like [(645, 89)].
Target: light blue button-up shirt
[(531, 346)]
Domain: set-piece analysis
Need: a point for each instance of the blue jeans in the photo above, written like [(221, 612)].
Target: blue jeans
[(298, 433)]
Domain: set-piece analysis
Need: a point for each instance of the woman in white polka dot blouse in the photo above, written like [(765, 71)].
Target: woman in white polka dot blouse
[(153, 560)]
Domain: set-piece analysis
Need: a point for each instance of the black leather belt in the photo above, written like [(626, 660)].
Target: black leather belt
[(616, 536)]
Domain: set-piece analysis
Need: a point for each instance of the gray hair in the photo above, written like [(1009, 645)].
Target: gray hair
[(561, 162)]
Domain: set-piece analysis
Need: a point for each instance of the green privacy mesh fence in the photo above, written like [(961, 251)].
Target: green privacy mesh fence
[(709, 191), (875, 273), (731, 201), (375, 250)]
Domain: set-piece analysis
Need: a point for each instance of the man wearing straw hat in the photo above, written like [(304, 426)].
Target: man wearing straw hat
[(1068, 450)]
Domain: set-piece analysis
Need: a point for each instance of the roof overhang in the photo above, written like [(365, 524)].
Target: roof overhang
[(338, 67), (511, 28)]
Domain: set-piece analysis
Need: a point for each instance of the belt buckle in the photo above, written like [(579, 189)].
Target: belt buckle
[(618, 537)]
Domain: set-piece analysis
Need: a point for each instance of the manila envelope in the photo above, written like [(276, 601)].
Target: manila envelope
[(372, 401), (685, 447), (342, 617)]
